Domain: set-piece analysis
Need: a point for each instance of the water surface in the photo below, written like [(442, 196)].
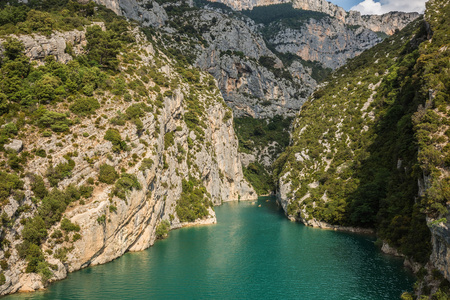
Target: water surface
[(252, 253)]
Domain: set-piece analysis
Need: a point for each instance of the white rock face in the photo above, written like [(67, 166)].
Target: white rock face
[(327, 40), (150, 13), (37, 46), (15, 145)]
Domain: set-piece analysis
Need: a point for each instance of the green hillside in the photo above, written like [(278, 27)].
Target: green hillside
[(376, 128)]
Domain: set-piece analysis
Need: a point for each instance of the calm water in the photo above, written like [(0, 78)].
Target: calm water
[(252, 253)]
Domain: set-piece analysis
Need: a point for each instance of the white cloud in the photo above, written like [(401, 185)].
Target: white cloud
[(370, 7)]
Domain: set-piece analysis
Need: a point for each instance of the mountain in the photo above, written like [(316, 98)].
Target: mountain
[(370, 148)]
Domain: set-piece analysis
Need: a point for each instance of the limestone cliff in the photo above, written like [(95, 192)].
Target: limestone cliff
[(164, 151), (327, 41), (387, 23)]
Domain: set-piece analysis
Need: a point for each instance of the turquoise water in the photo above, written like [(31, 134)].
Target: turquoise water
[(252, 253)]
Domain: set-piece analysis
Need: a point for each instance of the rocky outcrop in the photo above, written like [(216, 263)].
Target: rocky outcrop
[(109, 225), (321, 6), (37, 47), (149, 13), (249, 4), (388, 23), (15, 145), (440, 240), (327, 41)]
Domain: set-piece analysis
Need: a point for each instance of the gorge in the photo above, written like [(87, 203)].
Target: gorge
[(123, 119)]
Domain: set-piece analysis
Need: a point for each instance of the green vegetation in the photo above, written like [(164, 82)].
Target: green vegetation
[(362, 167), (66, 225), (194, 201), (162, 230), (283, 13), (9, 183), (257, 133), (124, 184), (85, 106), (35, 229), (261, 180), (107, 174), (147, 163), (61, 171), (113, 135)]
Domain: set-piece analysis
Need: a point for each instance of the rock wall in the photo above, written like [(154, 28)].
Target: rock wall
[(387, 23), (440, 240), (232, 57), (149, 13), (327, 41)]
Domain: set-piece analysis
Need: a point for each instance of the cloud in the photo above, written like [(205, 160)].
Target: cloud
[(370, 7)]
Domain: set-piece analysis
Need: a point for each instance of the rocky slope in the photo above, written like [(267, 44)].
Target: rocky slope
[(177, 157), (370, 149)]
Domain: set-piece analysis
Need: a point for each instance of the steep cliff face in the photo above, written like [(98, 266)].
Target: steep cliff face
[(387, 23), (179, 144), (252, 79), (327, 41), (148, 13)]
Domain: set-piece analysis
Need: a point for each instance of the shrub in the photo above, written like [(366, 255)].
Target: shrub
[(38, 187), (126, 183), (61, 171), (8, 183), (113, 135), (107, 174), (162, 229), (169, 139), (85, 106), (55, 121), (66, 225), (194, 202), (41, 153), (146, 163)]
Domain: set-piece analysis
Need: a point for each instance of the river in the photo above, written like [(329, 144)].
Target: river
[(252, 253)]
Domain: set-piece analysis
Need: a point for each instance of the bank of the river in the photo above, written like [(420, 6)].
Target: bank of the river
[(253, 252)]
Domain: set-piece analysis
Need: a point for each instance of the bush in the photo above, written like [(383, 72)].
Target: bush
[(113, 135), (8, 183), (85, 106), (169, 139), (66, 225), (61, 171), (194, 202), (146, 163), (38, 187), (125, 184), (162, 230), (55, 121), (107, 174)]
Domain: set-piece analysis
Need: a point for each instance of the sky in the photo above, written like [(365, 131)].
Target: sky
[(378, 7)]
